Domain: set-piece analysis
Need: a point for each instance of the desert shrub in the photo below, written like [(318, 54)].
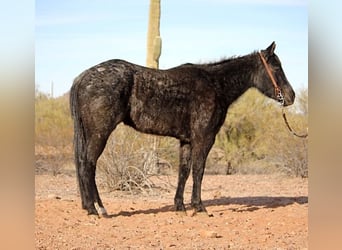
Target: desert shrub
[(284, 151), (238, 137), (288, 153), (254, 138), (53, 133), (130, 159)]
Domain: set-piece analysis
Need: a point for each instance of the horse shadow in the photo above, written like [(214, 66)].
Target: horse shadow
[(240, 204), (252, 203)]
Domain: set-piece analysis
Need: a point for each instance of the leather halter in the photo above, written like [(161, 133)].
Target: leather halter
[(277, 90)]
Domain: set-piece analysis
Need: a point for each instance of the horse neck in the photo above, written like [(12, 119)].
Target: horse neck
[(235, 76)]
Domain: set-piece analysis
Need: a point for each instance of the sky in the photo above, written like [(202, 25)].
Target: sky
[(73, 35)]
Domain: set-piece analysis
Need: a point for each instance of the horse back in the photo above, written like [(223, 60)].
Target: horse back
[(163, 102)]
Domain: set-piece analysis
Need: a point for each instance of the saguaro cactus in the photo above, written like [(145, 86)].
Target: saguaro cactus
[(154, 42)]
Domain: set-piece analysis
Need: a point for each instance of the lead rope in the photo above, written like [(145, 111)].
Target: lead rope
[(289, 127), (280, 98)]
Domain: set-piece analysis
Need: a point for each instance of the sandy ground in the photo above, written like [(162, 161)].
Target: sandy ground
[(246, 212)]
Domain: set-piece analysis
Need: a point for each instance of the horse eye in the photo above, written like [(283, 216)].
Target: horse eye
[(277, 66)]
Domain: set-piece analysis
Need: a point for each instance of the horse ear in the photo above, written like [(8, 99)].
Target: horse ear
[(271, 48)]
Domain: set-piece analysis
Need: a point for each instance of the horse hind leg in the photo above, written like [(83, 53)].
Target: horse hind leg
[(87, 172), (98, 147), (85, 175), (94, 148), (87, 186)]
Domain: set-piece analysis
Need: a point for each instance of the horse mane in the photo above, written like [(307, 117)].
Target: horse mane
[(224, 60)]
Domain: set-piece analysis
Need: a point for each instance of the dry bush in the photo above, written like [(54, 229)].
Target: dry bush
[(53, 133), (287, 152), (130, 159)]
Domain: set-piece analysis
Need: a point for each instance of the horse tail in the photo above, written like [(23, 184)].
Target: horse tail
[(79, 132)]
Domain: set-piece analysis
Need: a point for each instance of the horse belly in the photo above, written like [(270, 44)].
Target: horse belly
[(160, 117)]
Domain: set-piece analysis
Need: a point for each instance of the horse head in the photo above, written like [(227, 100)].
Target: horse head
[(272, 80)]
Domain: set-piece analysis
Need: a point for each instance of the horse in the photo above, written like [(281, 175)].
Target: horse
[(188, 102)]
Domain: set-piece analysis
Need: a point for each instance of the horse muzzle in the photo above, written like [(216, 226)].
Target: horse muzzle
[(288, 97)]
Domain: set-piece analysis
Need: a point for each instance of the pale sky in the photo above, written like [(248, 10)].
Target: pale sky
[(73, 35)]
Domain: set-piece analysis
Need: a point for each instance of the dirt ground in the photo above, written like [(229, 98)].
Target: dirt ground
[(246, 212)]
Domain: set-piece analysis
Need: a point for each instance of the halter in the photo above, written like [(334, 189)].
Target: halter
[(277, 90), (279, 96)]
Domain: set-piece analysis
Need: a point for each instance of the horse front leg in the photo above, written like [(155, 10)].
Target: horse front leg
[(183, 174), (199, 155), (197, 175)]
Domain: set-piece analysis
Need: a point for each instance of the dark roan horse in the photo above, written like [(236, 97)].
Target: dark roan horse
[(188, 102)]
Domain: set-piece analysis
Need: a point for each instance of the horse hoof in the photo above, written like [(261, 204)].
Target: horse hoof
[(92, 211), (102, 211)]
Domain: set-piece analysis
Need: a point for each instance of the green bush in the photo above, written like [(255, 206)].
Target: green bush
[(255, 139)]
